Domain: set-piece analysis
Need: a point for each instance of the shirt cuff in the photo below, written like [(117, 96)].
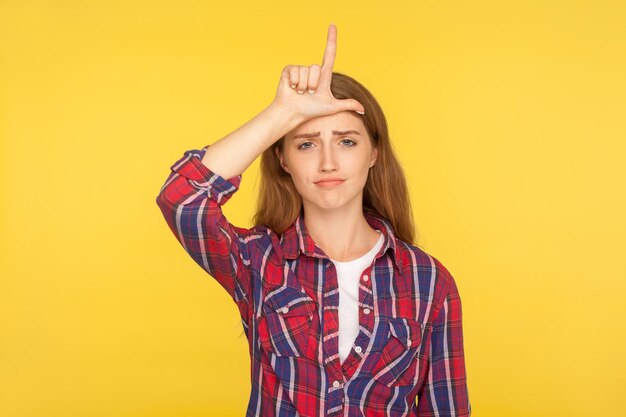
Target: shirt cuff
[(191, 167)]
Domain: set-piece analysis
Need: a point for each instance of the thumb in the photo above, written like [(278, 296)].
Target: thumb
[(349, 105)]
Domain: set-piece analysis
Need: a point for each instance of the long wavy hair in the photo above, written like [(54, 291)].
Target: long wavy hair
[(385, 191)]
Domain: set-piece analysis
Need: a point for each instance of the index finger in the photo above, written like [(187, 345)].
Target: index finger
[(329, 52)]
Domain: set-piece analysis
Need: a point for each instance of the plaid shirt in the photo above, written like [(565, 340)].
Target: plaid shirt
[(410, 340)]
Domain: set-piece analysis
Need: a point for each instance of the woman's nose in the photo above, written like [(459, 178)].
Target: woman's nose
[(328, 160)]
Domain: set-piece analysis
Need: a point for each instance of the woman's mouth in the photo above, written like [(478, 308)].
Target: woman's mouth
[(329, 183)]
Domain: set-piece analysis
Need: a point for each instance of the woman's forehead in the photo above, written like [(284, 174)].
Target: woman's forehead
[(326, 125)]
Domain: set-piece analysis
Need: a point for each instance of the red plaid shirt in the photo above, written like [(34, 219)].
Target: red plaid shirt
[(410, 341)]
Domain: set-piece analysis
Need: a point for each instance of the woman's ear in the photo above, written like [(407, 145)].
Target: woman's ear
[(374, 157), (280, 158)]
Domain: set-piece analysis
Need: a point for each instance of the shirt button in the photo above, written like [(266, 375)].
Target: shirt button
[(285, 310), (365, 277), (366, 310), (336, 384), (408, 343), (358, 349)]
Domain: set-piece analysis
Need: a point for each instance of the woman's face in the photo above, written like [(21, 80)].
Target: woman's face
[(334, 146)]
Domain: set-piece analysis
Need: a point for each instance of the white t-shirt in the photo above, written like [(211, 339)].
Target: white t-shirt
[(348, 276)]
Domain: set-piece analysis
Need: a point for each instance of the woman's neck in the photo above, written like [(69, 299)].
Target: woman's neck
[(343, 235)]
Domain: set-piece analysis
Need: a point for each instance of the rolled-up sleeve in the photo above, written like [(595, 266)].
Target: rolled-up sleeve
[(191, 202), (445, 392)]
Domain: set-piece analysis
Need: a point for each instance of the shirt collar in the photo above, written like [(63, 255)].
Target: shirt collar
[(296, 239)]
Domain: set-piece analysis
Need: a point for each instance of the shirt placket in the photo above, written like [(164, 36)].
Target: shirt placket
[(330, 329), (339, 373), (366, 320)]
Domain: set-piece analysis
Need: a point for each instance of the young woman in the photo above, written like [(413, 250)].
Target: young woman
[(344, 315)]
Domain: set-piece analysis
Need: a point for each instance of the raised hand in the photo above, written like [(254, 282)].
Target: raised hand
[(306, 90)]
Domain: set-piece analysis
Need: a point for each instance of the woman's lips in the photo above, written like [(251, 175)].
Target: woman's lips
[(329, 183)]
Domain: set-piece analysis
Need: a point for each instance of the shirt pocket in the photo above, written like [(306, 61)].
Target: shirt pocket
[(397, 364), (286, 323)]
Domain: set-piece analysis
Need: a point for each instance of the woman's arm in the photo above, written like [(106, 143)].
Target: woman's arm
[(191, 202), (201, 182), (445, 391), (234, 153)]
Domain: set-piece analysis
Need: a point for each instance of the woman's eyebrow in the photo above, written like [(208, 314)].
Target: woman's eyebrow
[(316, 134)]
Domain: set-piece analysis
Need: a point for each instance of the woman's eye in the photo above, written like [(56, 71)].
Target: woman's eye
[(302, 146)]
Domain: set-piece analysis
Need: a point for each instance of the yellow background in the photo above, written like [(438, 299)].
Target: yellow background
[(508, 117)]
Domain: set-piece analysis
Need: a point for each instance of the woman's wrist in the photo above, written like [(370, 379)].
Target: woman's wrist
[(283, 117)]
